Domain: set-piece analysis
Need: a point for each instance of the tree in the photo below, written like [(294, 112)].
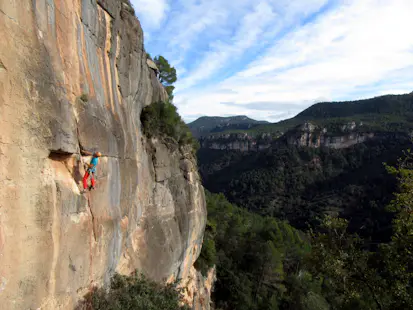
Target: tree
[(338, 259), (397, 256), (355, 278), (167, 74), (251, 254), (170, 90)]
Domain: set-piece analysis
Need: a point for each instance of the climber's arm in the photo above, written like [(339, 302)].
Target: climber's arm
[(84, 152), (87, 153)]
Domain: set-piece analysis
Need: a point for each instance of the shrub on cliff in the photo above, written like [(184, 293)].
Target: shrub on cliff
[(134, 292), (161, 119), (208, 256)]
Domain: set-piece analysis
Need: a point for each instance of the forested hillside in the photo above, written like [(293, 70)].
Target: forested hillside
[(314, 225), (255, 256), (300, 184), (264, 263), (390, 113), (206, 125)]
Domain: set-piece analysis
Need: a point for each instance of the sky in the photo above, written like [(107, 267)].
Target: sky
[(271, 59)]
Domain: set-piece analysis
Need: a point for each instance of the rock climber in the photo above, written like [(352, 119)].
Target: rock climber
[(91, 169)]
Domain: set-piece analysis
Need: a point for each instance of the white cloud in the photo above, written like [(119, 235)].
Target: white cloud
[(252, 25), (264, 21), (357, 45), (193, 22), (150, 12)]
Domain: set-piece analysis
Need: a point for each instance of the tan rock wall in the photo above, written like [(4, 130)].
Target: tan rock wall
[(55, 243)]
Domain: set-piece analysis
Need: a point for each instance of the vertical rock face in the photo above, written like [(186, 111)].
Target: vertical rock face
[(74, 74), (240, 142), (310, 136), (306, 135), (198, 288)]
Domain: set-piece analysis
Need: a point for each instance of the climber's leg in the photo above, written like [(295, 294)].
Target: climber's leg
[(93, 180), (85, 179)]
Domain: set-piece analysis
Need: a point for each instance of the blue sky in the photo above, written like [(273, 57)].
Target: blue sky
[(270, 59)]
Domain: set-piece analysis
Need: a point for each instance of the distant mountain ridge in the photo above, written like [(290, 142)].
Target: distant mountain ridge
[(331, 124), (382, 113), (206, 125), (328, 159), (387, 104)]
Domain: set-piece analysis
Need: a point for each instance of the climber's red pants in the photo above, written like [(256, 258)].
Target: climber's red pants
[(87, 174)]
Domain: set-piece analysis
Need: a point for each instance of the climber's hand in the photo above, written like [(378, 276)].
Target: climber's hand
[(85, 152)]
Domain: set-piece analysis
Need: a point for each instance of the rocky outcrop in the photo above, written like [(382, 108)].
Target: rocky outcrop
[(237, 141), (307, 135), (198, 289), (310, 135), (74, 74), (336, 142), (206, 125)]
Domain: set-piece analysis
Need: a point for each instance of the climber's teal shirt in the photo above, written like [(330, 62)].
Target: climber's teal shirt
[(94, 161)]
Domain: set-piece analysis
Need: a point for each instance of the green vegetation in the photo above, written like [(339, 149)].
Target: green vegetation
[(355, 278), (134, 292), (355, 243), (206, 125), (167, 75), (391, 113), (370, 123), (263, 263), (170, 90), (161, 119), (257, 257), (84, 98), (302, 184), (401, 105), (276, 129)]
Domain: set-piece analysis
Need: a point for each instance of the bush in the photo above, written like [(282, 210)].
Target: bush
[(208, 256), (133, 292), (255, 257), (84, 98), (162, 120)]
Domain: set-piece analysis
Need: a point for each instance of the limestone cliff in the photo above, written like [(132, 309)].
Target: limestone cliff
[(73, 74), (307, 134), (198, 288), (344, 136), (237, 141)]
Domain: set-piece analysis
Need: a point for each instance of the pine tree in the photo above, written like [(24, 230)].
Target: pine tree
[(167, 74)]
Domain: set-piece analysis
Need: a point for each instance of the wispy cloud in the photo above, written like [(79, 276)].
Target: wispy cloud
[(251, 27), (151, 12), (270, 58)]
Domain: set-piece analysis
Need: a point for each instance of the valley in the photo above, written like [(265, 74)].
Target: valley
[(323, 171)]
